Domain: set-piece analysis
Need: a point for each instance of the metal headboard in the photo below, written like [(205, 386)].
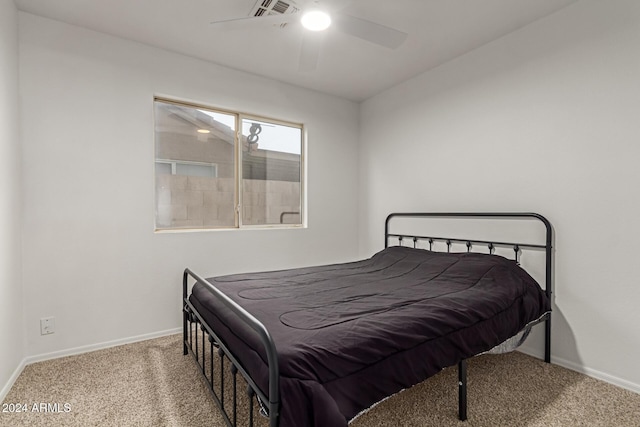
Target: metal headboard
[(516, 246)]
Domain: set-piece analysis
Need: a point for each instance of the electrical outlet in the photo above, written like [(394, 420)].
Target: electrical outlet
[(47, 325)]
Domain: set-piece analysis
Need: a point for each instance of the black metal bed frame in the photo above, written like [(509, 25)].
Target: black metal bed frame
[(194, 324)]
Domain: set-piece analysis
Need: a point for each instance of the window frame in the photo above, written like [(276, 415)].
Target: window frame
[(238, 169)]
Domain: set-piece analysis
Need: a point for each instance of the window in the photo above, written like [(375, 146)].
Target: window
[(221, 169)]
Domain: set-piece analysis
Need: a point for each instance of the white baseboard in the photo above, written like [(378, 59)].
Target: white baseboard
[(593, 373), (99, 346), (79, 350), (12, 380)]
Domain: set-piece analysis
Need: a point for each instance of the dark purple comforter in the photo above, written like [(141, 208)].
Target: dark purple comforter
[(349, 335)]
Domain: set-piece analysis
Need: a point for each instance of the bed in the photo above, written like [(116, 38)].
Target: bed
[(319, 345)]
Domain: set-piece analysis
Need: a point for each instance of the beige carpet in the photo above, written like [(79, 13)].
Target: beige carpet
[(152, 384)]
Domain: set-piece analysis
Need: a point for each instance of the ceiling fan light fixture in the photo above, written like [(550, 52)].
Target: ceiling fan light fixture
[(316, 20)]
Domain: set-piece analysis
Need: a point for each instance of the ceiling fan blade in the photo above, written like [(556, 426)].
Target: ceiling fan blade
[(310, 51), (370, 31)]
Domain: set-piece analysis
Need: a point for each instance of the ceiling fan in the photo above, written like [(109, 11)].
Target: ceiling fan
[(316, 16)]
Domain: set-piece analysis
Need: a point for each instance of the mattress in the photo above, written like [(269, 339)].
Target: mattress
[(349, 335)]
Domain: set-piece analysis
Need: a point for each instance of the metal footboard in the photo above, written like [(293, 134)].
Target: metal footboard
[(269, 405)]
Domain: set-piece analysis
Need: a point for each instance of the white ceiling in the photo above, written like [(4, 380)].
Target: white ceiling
[(438, 31)]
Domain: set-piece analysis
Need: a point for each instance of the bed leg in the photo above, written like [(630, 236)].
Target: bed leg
[(547, 339), (185, 315), (185, 334), (462, 390)]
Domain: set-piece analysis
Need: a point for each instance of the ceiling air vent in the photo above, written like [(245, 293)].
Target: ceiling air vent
[(273, 7)]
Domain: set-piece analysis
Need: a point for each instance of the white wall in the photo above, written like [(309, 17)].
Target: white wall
[(11, 330), (546, 120), (91, 258)]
